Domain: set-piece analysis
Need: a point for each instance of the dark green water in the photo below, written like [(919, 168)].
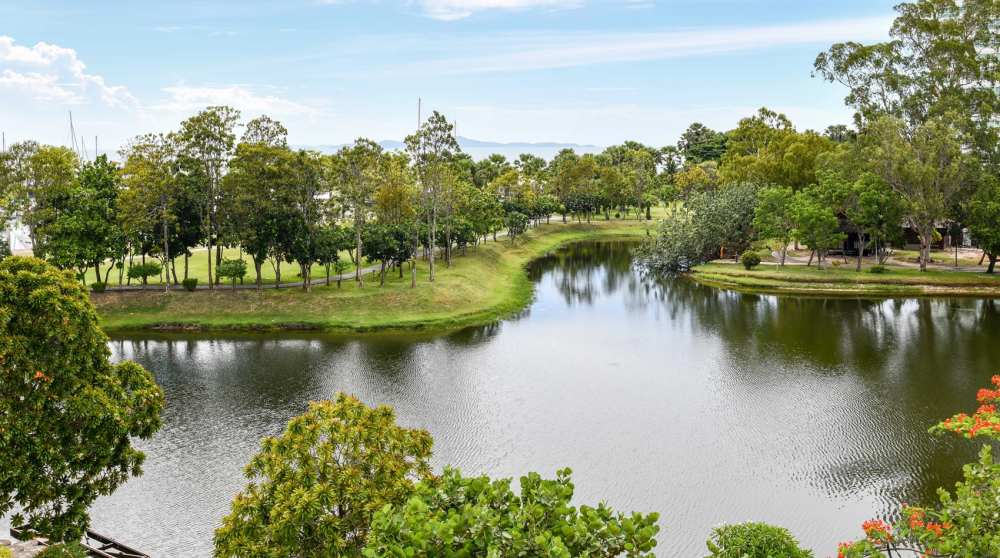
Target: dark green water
[(661, 394)]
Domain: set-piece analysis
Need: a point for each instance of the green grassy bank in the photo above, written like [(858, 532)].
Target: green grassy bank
[(845, 281), (487, 284)]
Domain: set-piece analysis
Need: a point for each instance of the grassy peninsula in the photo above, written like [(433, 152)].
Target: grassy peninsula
[(896, 281), (482, 286)]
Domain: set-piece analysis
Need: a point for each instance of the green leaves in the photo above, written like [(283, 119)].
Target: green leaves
[(314, 490), (754, 540), (68, 413), (477, 517)]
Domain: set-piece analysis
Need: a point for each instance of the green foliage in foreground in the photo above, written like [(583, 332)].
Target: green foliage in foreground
[(67, 415), (754, 540), (314, 490), (6, 552), (476, 517), (64, 550)]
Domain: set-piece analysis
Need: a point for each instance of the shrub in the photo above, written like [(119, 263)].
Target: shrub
[(190, 284), (98, 287), (144, 270), (754, 540), (63, 550), (750, 259), (6, 552), (232, 269), (876, 269)]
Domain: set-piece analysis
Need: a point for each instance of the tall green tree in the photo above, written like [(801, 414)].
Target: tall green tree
[(936, 63), (69, 415), (206, 141), (773, 217), (84, 228), (151, 188), (356, 169), (33, 179), (925, 168), (432, 149), (260, 173), (309, 189)]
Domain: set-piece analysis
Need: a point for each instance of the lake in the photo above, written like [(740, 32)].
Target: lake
[(661, 394)]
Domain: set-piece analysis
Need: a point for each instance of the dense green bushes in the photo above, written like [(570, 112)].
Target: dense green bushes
[(98, 286), (190, 284), (64, 550), (876, 269), (754, 540)]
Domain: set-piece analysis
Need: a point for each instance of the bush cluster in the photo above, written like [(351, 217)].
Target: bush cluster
[(6, 552), (876, 269), (64, 550), (190, 284), (750, 259), (754, 540), (98, 286)]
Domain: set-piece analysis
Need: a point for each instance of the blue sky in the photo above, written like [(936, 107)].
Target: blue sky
[(581, 71)]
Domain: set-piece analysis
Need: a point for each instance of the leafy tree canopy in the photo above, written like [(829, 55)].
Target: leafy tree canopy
[(67, 415)]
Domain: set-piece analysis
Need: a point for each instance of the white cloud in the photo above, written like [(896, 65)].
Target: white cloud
[(186, 98), (64, 80), (167, 29), (40, 86)]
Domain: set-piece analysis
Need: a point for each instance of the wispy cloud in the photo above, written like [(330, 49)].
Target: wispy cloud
[(53, 73), (581, 49), (187, 98), (457, 9), (610, 89), (167, 29), (511, 52), (228, 33)]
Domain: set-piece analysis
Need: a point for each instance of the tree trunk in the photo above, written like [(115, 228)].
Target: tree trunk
[(260, 280), (211, 285), (925, 249), (861, 249), (360, 276), (166, 250), (382, 284), (993, 262), (809, 263), (218, 260), (327, 275), (173, 269), (277, 273), (432, 231), (97, 270)]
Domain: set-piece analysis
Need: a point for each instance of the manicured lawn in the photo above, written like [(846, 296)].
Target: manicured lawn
[(481, 287), (895, 280)]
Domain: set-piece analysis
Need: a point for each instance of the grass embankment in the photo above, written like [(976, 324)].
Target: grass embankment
[(802, 279), (484, 285)]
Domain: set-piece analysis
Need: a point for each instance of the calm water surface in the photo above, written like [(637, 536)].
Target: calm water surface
[(661, 394)]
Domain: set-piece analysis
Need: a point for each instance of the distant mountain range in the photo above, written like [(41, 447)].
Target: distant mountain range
[(462, 142)]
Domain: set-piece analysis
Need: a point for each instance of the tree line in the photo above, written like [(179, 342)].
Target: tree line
[(922, 154), (216, 183)]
